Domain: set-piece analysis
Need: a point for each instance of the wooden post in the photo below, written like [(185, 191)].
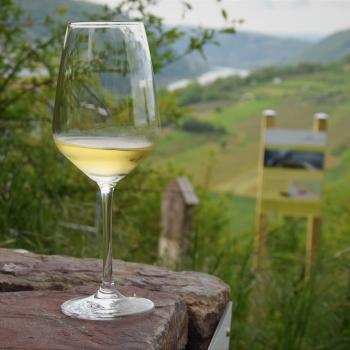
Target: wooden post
[(176, 220), (268, 121), (320, 122), (313, 222)]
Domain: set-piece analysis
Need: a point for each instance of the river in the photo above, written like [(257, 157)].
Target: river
[(208, 77)]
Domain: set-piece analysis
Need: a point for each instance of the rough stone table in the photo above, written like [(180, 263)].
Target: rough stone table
[(32, 287)]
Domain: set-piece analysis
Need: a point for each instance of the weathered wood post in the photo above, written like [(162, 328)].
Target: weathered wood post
[(268, 121), (314, 222), (176, 220)]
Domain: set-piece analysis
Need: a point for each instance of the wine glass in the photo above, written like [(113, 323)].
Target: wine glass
[(105, 122)]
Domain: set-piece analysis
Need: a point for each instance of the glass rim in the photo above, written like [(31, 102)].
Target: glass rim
[(102, 24)]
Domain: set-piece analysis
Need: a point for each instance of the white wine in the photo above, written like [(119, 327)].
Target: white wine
[(104, 159)]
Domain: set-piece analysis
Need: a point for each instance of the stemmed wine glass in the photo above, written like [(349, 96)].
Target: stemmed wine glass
[(105, 122)]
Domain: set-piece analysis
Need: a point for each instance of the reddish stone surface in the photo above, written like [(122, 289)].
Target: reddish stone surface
[(33, 320), (205, 296)]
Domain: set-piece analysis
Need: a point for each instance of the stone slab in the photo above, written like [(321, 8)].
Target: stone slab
[(33, 320), (204, 295)]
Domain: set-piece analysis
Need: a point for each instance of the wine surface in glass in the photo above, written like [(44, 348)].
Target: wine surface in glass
[(104, 159)]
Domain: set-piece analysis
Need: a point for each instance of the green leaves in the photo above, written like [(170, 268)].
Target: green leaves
[(61, 10), (224, 13), (169, 109), (229, 30), (187, 5), (161, 37)]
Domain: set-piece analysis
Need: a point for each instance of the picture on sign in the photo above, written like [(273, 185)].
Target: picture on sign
[(293, 165), (299, 189), (293, 159)]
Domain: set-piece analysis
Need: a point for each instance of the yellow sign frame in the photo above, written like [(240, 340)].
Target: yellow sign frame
[(266, 204)]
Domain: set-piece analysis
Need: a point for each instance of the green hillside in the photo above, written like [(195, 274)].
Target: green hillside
[(332, 48), (225, 156)]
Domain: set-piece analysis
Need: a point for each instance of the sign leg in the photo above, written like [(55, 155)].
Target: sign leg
[(261, 241), (312, 242)]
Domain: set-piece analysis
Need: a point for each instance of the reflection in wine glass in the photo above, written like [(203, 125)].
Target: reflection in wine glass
[(105, 122)]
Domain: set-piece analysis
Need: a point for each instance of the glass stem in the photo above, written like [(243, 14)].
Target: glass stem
[(107, 285)]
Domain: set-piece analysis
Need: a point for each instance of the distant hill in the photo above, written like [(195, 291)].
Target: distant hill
[(242, 50), (253, 50), (332, 48), (39, 9), (79, 11)]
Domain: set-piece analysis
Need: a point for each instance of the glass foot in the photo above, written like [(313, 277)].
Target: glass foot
[(108, 307)]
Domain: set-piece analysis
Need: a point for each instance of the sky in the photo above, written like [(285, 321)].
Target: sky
[(279, 17)]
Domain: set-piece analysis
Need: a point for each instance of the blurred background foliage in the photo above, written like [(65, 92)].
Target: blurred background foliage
[(212, 127)]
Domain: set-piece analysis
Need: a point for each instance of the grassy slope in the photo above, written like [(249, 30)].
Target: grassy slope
[(233, 166)]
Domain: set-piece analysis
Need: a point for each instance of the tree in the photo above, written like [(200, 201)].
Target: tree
[(35, 184)]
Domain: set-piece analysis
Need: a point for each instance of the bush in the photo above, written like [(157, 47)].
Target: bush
[(197, 126)]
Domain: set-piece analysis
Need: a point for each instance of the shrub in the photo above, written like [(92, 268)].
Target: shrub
[(197, 126)]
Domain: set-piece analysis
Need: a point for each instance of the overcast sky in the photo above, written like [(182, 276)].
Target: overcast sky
[(292, 17)]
